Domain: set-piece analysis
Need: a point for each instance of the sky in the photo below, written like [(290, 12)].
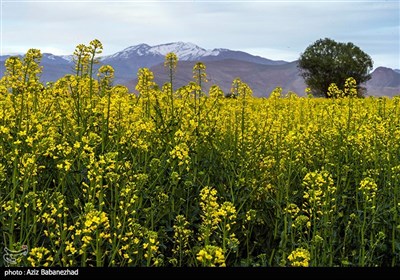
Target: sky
[(277, 30)]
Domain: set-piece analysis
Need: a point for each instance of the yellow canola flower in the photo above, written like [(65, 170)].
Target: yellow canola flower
[(211, 256), (299, 257)]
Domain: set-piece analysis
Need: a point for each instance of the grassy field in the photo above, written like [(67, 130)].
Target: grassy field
[(93, 175)]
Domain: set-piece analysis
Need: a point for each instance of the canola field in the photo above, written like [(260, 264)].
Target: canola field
[(94, 175)]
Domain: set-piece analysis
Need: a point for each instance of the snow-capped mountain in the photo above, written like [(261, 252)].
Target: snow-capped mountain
[(187, 52), (129, 60), (68, 58), (184, 51), (56, 59), (141, 50)]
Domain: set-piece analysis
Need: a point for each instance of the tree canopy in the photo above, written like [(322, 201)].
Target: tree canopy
[(326, 61)]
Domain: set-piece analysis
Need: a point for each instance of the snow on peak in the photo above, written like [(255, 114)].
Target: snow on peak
[(216, 52), (69, 58), (50, 56), (184, 51), (141, 49)]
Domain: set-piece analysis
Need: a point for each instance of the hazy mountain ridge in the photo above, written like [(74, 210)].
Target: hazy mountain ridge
[(222, 67), (262, 79)]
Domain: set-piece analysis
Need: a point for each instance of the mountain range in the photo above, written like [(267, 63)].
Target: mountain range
[(222, 67)]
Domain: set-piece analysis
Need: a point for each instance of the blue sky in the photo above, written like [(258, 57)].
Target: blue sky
[(278, 30)]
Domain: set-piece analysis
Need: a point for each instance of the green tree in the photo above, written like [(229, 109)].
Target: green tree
[(326, 61)]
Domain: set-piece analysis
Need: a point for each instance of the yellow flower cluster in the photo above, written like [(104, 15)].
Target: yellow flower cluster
[(350, 89), (293, 210), (182, 234), (217, 220), (369, 188), (40, 256), (211, 256), (210, 216), (151, 246), (145, 83), (319, 193), (94, 227), (181, 153), (299, 257)]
